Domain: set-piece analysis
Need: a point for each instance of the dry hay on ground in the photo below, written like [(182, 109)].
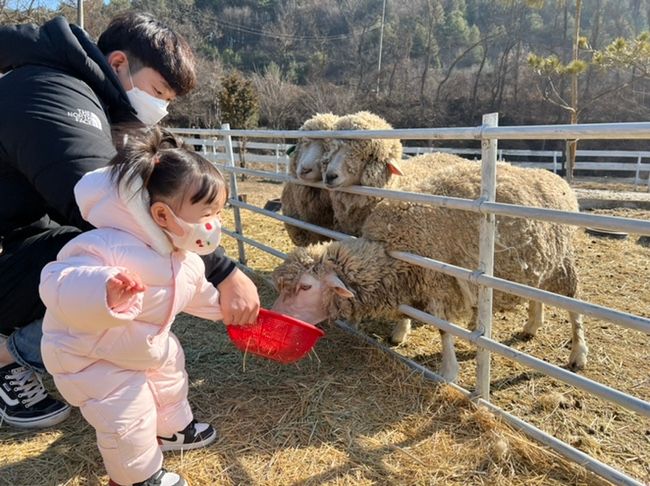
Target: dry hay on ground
[(344, 416), (614, 273), (610, 184), (348, 415)]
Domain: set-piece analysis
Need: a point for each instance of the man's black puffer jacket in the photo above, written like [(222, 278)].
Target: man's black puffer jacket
[(58, 100)]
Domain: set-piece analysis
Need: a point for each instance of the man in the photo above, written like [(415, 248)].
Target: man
[(60, 95)]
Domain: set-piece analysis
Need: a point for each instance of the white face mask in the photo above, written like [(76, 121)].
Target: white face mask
[(149, 109), (201, 238)]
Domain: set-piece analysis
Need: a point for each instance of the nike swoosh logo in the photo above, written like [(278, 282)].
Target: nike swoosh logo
[(170, 439), (9, 401)]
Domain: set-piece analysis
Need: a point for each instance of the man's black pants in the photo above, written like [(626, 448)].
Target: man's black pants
[(23, 257)]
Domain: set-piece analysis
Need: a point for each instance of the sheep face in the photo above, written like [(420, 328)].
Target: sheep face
[(339, 170), (309, 156), (358, 162), (307, 292)]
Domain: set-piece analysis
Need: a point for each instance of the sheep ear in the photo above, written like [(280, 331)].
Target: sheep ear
[(394, 167), (335, 283)]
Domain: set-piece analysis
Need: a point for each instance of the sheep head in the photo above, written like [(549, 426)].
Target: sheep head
[(369, 162), (307, 158), (308, 285), (309, 155)]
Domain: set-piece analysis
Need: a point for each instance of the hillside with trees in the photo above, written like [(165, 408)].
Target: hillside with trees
[(417, 63)]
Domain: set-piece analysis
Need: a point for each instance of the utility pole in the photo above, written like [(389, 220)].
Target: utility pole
[(381, 43), (571, 145), (80, 13)]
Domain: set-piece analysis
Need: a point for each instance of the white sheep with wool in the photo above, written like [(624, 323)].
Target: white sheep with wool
[(357, 279), (373, 163), (306, 203)]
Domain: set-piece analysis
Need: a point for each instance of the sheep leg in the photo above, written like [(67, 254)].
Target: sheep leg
[(567, 283), (579, 349), (535, 318), (449, 367), (401, 331)]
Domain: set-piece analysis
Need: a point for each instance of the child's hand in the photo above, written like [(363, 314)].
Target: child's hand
[(121, 287)]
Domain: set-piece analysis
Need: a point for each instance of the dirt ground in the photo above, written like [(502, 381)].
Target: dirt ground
[(348, 415)]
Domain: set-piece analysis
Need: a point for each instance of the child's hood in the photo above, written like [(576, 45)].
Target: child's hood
[(103, 206)]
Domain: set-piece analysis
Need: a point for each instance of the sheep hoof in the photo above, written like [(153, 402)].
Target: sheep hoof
[(577, 362), (526, 336), (400, 332), (397, 339), (449, 373)]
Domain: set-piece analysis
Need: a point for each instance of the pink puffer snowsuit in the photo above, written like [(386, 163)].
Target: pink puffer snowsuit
[(123, 367)]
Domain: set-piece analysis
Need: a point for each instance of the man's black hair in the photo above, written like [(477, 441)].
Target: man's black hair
[(149, 43)]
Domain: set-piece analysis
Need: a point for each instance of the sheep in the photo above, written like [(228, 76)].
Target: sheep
[(370, 162), (306, 203), (357, 279), (378, 160)]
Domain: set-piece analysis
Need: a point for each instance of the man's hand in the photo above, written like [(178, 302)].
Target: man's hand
[(121, 288), (238, 298)]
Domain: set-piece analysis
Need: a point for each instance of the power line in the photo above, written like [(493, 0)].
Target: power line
[(263, 33)]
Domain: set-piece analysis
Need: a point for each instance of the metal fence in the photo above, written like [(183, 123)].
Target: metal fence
[(488, 133), (624, 166)]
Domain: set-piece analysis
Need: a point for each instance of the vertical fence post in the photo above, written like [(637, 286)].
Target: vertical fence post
[(233, 190), (486, 255), (554, 162), (637, 176)]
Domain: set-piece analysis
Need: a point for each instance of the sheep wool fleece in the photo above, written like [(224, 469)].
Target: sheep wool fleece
[(122, 367)]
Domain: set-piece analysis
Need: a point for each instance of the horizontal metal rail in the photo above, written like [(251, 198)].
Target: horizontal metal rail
[(606, 393), (255, 243), (570, 452), (335, 235), (575, 305), (500, 209), (414, 149), (579, 457), (585, 131)]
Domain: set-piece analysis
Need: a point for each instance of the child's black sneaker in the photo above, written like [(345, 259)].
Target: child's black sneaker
[(24, 401), (194, 436), (161, 478)]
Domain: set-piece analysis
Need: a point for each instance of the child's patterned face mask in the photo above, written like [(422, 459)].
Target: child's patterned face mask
[(202, 238)]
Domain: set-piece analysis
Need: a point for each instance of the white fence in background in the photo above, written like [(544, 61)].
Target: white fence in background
[(625, 166), (488, 134)]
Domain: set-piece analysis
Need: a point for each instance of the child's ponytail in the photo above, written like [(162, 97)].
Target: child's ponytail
[(166, 165), (140, 153)]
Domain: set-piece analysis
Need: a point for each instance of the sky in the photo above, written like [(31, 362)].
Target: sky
[(51, 4)]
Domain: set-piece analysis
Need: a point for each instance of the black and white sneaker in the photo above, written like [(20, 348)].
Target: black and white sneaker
[(24, 401), (161, 478), (194, 436)]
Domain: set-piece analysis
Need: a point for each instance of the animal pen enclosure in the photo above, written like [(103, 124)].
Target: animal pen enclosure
[(347, 415), (488, 133)]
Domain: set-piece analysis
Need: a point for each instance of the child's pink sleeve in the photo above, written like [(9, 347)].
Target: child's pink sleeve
[(73, 287), (205, 303)]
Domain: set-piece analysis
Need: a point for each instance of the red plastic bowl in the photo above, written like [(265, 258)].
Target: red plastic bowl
[(275, 336)]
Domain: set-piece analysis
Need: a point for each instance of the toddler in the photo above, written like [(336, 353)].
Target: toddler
[(112, 296)]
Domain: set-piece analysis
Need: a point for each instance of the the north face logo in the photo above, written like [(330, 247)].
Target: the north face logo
[(86, 117)]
